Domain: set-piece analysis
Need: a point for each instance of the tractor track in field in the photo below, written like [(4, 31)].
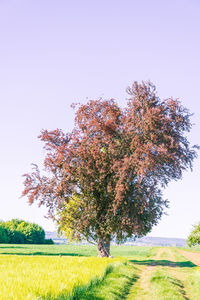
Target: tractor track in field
[(144, 274), (143, 283)]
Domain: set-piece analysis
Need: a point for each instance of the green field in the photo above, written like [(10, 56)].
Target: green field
[(72, 250), (75, 272)]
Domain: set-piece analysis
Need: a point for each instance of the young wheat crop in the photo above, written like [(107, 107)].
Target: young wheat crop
[(47, 277)]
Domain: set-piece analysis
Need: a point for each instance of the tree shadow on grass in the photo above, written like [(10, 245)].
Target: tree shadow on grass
[(166, 263), (12, 247), (180, 286), (42, 254), (175, 282)]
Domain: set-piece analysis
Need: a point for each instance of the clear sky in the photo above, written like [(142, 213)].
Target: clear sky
[(53, 53)]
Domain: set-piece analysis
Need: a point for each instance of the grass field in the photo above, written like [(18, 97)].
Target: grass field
[(75, 272)]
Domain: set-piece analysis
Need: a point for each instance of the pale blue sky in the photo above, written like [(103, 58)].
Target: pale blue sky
[(53, 53)]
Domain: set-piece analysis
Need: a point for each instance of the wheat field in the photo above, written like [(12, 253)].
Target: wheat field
[(47, 277)]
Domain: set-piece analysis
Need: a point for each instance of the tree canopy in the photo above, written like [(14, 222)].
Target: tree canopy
[(194, 237), (104, 179)]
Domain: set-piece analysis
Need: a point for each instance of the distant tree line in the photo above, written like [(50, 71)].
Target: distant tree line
[(21, 232)]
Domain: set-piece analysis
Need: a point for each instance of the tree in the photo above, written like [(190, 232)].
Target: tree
[(104, 179), (194, 237)]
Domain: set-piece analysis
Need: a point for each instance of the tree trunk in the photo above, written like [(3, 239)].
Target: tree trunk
[(103, 247)]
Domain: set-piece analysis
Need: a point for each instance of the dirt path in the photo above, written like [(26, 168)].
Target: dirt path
[(142, 289), (159, 253), (171, 256), (191, 256)]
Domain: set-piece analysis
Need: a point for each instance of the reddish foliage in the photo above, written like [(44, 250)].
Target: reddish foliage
[(116, 160)]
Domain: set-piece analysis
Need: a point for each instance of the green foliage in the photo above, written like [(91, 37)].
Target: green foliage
[(67, 218), (22, 232), (34, 234), (4, 238), (49, 242), (194, 237), (15, 236)]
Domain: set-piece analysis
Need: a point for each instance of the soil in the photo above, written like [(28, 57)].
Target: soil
[(191, 256)]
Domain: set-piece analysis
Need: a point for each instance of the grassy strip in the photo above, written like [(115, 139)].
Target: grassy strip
[(115, 284), (188, 273), (166, 287), (191, 280), (157, 284), (195, 249), (190, 277)]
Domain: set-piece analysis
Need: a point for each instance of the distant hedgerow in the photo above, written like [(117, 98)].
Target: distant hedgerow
[(21, 232), (4, 238)]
